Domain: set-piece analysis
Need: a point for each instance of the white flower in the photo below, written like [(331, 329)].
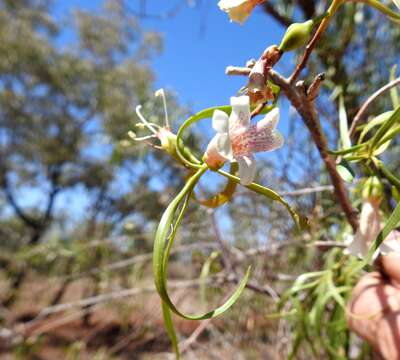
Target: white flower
[(368, 230), (238, 10), (162, 133), (237, 139), (397, 3), (391, 243)]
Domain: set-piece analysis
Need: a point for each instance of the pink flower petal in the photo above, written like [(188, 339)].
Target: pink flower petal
[(265, 141), (240, 140)]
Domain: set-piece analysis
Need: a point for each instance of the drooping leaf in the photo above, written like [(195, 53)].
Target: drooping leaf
[(345, 171), (163, 243)]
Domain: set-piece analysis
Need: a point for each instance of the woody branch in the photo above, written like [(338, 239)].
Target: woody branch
[(302, 99)]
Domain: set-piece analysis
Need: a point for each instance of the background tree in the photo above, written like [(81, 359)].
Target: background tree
[(65, 111)]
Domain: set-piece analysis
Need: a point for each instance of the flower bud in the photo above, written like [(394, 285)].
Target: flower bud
[(373, 189), (258, 89), (296, 36), (167, 140)]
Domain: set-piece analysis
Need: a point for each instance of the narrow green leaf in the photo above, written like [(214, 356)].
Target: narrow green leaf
[(396, 193), (345, 171), (162, 245), (390, 225), (393, 132), (347, 151), (225, 195), (205, 271), (386, 126), (169, 325), (387, 173), (380, 119), (394, 94)]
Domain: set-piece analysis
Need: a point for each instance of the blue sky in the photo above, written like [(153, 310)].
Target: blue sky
[(199, 42)]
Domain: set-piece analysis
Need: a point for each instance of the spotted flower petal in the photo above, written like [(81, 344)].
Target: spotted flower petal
[(247, 169), (267, 138), (239, 140)]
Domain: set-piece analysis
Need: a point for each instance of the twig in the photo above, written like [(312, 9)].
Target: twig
[(297, 95), (237, 70), (305, 191), (117, 295), (368, 102), (328, 244), (251, 285), (314, 88), (185, 345), (118, 265)]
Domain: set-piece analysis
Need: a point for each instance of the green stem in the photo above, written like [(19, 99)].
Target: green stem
[(207, 113), (300, 222)]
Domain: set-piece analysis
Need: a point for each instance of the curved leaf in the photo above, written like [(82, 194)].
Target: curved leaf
[(163, 243), (225, 195), (300, 221)]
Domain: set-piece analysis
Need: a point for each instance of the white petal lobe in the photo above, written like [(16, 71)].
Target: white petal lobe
[(272, 118), (229, 4), (223, 146), (247, 169), (240, 111), (220, 122)]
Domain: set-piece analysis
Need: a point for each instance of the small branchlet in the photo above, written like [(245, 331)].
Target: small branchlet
[(237, 70), (314, 89)]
